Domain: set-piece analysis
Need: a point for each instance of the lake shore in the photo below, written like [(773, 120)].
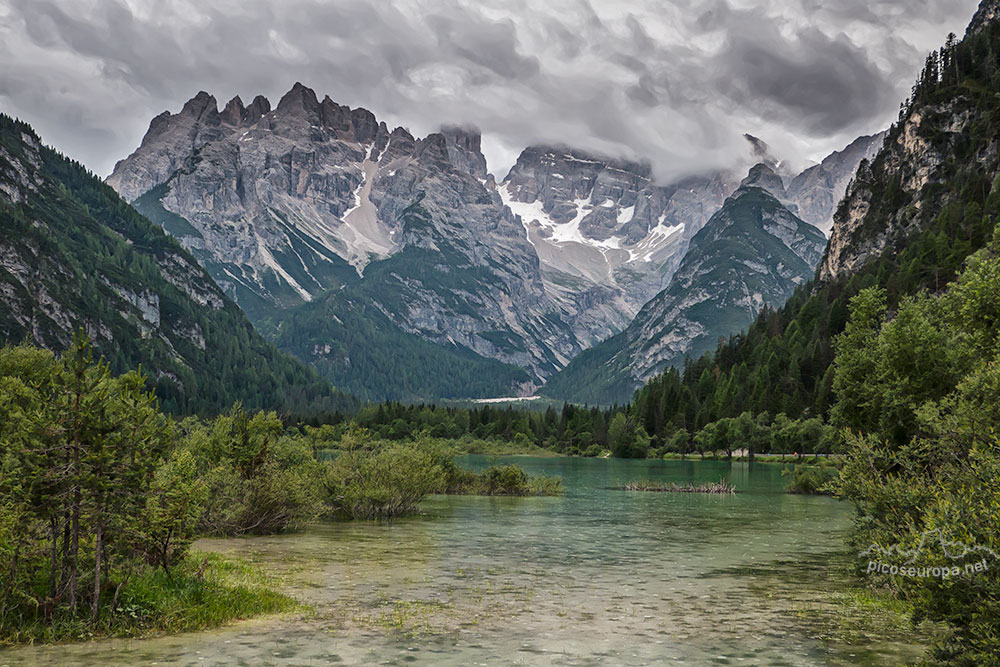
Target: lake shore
[(641, 578)]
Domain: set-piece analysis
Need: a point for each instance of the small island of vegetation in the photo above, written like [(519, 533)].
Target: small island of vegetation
[(720, 487)]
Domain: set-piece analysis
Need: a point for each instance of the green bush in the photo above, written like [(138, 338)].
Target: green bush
[(811, 479), (258, 481), (505, 480), (379, 485)]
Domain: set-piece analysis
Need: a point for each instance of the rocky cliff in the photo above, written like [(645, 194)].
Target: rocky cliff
[(988, 12), (815, 193)]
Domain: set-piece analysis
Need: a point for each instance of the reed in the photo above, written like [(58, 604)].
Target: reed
[(720, 487)]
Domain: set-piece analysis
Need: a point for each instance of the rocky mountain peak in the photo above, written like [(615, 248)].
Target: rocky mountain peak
[(357, 125), (989, 10), (765, 177), (433, 149), (234, 112), (465, 150), (257, 109), (300, 101), (202, 107), (157, 126), (761, 151), (169, 138)]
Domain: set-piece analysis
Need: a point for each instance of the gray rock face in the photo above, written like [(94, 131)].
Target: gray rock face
[(283, 205), (814, 194), (911, 156), (750, 254), (170, 140), (765, 177), (988, 11), (608, 237)]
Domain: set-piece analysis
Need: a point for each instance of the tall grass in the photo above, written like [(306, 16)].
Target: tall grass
[(720, 487), (203, 591)]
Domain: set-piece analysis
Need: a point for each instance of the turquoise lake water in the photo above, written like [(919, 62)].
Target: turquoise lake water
[(595, 577)]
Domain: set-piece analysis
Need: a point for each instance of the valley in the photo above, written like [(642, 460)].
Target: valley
[(641, 372)]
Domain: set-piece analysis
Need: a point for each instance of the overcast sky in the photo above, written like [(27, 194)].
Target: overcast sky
[(673, 81)]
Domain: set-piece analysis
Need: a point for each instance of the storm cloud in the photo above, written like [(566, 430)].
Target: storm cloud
[(676, 82)]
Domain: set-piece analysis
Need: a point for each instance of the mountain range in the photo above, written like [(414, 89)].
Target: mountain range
[(322, 223)]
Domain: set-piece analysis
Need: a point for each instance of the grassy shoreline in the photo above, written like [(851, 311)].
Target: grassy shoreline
[(206, 590)]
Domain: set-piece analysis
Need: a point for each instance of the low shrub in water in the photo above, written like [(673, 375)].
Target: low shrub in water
[(380, 485), (811, 479), (505, 480)]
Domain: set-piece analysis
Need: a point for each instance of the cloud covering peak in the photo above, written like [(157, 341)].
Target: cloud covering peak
[(677, 82)]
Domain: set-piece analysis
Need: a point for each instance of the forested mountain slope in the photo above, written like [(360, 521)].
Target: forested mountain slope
[(908, 222), (73, 255), (346, 337)]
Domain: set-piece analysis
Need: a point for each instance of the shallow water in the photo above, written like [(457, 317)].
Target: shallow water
[(596, 577)]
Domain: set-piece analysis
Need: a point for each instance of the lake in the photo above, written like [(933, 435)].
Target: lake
[(595, 577)]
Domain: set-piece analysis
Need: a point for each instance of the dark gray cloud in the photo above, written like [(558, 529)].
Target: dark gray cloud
[(674, 81)]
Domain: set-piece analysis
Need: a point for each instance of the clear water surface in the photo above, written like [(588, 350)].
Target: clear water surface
[(596, 577)]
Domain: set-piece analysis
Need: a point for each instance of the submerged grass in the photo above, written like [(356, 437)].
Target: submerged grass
[(720, 487), (814, 459), (205, 591)]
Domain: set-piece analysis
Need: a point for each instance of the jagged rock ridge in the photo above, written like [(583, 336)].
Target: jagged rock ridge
[(282, 205), (752, 253)]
